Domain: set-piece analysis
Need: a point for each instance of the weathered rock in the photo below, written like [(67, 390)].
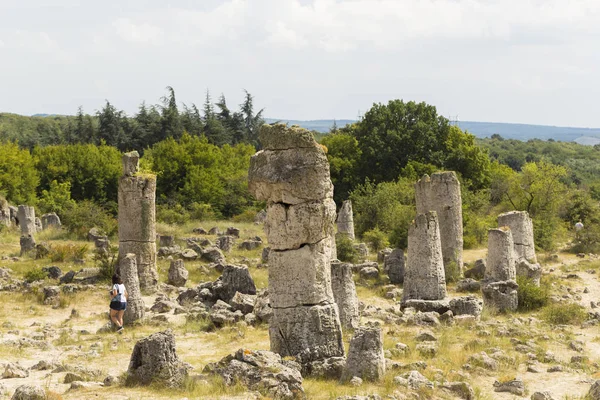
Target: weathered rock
[(260, 217), (344, 294), (200, 231), (363, 251), (42, 250), (265, 254), (29, 392), (154, 359), (468, 285), (137, 220), (53, 272), (521, 227), (26, 217), (382, 254), (262, 307), (262, 371), (542, 396), (424, 277), (243, 302), (225, 242), (166, 240), (393, 266), (38, 225), (345, 220), (291, 226), (232, 231), (178, 275), (327, 368), (309, 333), (594, 393), (501, 256), (484, 361), (51, 294), (213, 254), (478, 270), (94, 233), (529, 271), (469, 305), (4, 212), (461, 389), (50, 220), (67, 278), (515, 387), (27, 243), (425, 306), (369, 273), (441, 193), (415, 381), (365, 355), (12, 370), (501, 295), (135, 304), (235, 278)]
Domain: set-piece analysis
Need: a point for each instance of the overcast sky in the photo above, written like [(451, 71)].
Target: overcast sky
[(527, 61)]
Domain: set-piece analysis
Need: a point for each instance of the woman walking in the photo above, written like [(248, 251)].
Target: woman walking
[(118, 302)]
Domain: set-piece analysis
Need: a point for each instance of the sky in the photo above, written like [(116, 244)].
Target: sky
[(521, 61)]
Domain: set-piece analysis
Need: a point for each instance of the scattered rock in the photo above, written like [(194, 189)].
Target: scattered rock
[(29, 392), (12, 370), (178, 275), (461, 389), (365, 356), (515, 387)]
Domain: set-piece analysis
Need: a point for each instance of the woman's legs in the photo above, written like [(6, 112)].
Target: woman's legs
[(114, 318), (120, 316)]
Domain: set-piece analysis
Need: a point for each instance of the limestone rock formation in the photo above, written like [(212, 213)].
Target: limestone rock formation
[(291, 174), (530, 271), (344, 293), (225, 242), (501, 261), (501, 295), (26, 217), (137, 220), (50, 220), (366, 359), (154, 359), (235, 278), (424, 277), (345, 220), (4, 212), (521, 227), (178, 275), (166, 241), (29, 392), (135, 304), (441, 193), (27, 243), (393, 266), (263, 371)]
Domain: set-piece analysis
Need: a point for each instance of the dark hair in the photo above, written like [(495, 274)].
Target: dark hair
[(116, 279)]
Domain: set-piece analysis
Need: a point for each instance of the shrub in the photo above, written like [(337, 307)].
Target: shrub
[(452, 272), (62, 252), (376, 239), (85, 215), (202, 212), (345, 249), (531, 296), (247, 216), (176, 215), (35, 274), (564, 314), (106, 261)]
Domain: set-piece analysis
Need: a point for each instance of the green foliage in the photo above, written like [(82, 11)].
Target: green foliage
[(63, 252), (452, 272), (175, 215), (18, 176), (531, 296), (106, 261), (35, 274), (564, 314), (376, 239), (478, 216), (247, 216), (57, 198), (343, 154), (346, 251), (192, 170), (85, 215)]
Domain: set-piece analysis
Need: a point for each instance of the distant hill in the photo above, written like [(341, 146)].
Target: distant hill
[(586, 136)]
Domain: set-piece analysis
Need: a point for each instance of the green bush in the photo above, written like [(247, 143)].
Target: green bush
[(106, 261), (57, 198), (531, 296), (62, 252), (345, 249), (202, 212), (176, 215), (376, 239), (246, 216), (83, 216), (564, 314), (35, 274), (452, 272)]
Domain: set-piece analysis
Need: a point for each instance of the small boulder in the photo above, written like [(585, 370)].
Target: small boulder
[(365, 355), (516, 387), (178, 275), (29, 392)]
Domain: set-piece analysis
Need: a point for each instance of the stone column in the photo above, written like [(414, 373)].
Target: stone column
[(4, 212), (521, 227), (441, 193), (424, 277), (137, 223), (26, 216), (135, 304), (344, 293), (366, 359), (291, 174), (50, 220), (499, 288), (345, 220)]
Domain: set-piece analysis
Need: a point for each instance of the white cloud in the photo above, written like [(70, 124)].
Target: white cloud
[(141, 32)]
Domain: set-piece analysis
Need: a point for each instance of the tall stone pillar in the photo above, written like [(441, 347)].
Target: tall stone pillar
[(521, 227), (499, 287), (26, 216), (4, 212), (291, 174), (344, 294), (135, 304), (137, 220), (345, 220), (441, 193), (424, 277)]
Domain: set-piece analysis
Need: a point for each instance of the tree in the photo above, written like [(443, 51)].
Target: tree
[(252, 122), (18, 176), (171, 125), (343, 154), (110, 130)]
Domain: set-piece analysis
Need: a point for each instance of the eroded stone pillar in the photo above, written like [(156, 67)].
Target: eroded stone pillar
[(344, 293), (50, 220), (26, 216), (441, 193), (521, 227), (424, 277), (4, 212), (129, 274), (345, 220), (291, 174), (137, 220), (499, 287)]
